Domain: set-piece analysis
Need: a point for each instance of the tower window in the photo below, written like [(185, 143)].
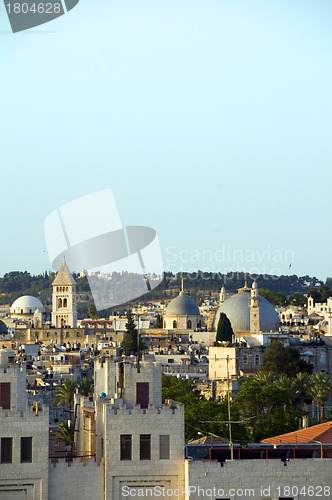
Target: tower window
[(145, 447), (64, 302), (125, 447), (6, 450), (175, 325), (26, 450), (142, 394), (164, 447), (5, 395)]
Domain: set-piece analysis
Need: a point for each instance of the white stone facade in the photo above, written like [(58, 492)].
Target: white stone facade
[(23, 438)]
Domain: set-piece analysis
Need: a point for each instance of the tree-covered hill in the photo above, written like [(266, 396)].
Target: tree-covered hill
[(279, 290)]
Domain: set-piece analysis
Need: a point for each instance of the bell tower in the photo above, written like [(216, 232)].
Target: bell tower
[(64, 311), (254, 309)]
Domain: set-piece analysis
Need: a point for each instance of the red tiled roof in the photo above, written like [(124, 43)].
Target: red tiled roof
[(320, 432)]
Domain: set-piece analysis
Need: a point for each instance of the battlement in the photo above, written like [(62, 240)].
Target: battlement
[(27, 414), (118, 407)]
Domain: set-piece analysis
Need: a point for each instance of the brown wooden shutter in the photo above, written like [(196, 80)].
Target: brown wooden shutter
[(5, 395), (142, 394)]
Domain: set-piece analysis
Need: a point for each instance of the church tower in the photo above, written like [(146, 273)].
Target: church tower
[(64, 298), (254, 309), (310, 305), (222, 295)]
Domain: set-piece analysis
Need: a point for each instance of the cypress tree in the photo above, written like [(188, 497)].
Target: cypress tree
[(224, 329)]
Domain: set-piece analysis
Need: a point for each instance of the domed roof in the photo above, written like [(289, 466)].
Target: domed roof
[(3, 327), (182, 305), (237, 310), (27, 302)]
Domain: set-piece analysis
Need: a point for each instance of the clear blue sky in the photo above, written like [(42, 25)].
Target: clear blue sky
[(210, 120)]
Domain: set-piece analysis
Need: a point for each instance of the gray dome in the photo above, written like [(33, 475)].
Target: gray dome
[(182, 305), (3, 327), (237, 310)]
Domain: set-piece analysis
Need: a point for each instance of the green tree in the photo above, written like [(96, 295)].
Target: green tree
[(129, 343), (325, 292), (65, 434), (280, 359), (92, 311), (297, 299), (277, 299), (85, 386), (224, 329), (320, 391), (302, 385), (267, 402), (202, 415), (159, 322), (64, 393)]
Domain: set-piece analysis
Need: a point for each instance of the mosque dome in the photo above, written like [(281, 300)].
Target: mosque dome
[(182, 305), (26, 305), (3, 327), (237, 310)]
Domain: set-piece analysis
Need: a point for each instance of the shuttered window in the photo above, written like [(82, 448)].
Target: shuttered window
[(5, 395), (142, 394)]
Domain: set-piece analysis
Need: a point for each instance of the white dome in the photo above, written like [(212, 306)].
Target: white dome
[(26, 305)]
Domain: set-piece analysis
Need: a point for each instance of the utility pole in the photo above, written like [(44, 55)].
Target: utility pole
[(229, 412)]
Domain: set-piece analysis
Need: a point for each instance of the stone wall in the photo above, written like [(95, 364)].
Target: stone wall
[(260, 479)]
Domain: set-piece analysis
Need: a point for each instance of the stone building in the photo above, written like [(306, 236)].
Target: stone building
[(182, 313), (27, 309), (128, 444), (64, 311), (138, 440), (23, 436), (248, 312)]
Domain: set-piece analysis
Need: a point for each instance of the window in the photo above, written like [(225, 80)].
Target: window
[(175, 325), (64, 302), (256, 359), (5, 395), (26, 450), (125, 447), (189, 324), (6, 450), (142, 394), (145, 447), (164, 447)]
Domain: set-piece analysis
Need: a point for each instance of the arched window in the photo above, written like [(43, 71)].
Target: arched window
[(175, 325), (59, 302), (64, 302), (189, 323)]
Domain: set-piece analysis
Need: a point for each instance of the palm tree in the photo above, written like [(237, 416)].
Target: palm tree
[(64, 393), (320, 391), (303, 383), (65, 434), (85, 386)]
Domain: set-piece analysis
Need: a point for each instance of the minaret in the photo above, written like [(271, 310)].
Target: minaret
[(222, 295), (254, 309), (64, 298)]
